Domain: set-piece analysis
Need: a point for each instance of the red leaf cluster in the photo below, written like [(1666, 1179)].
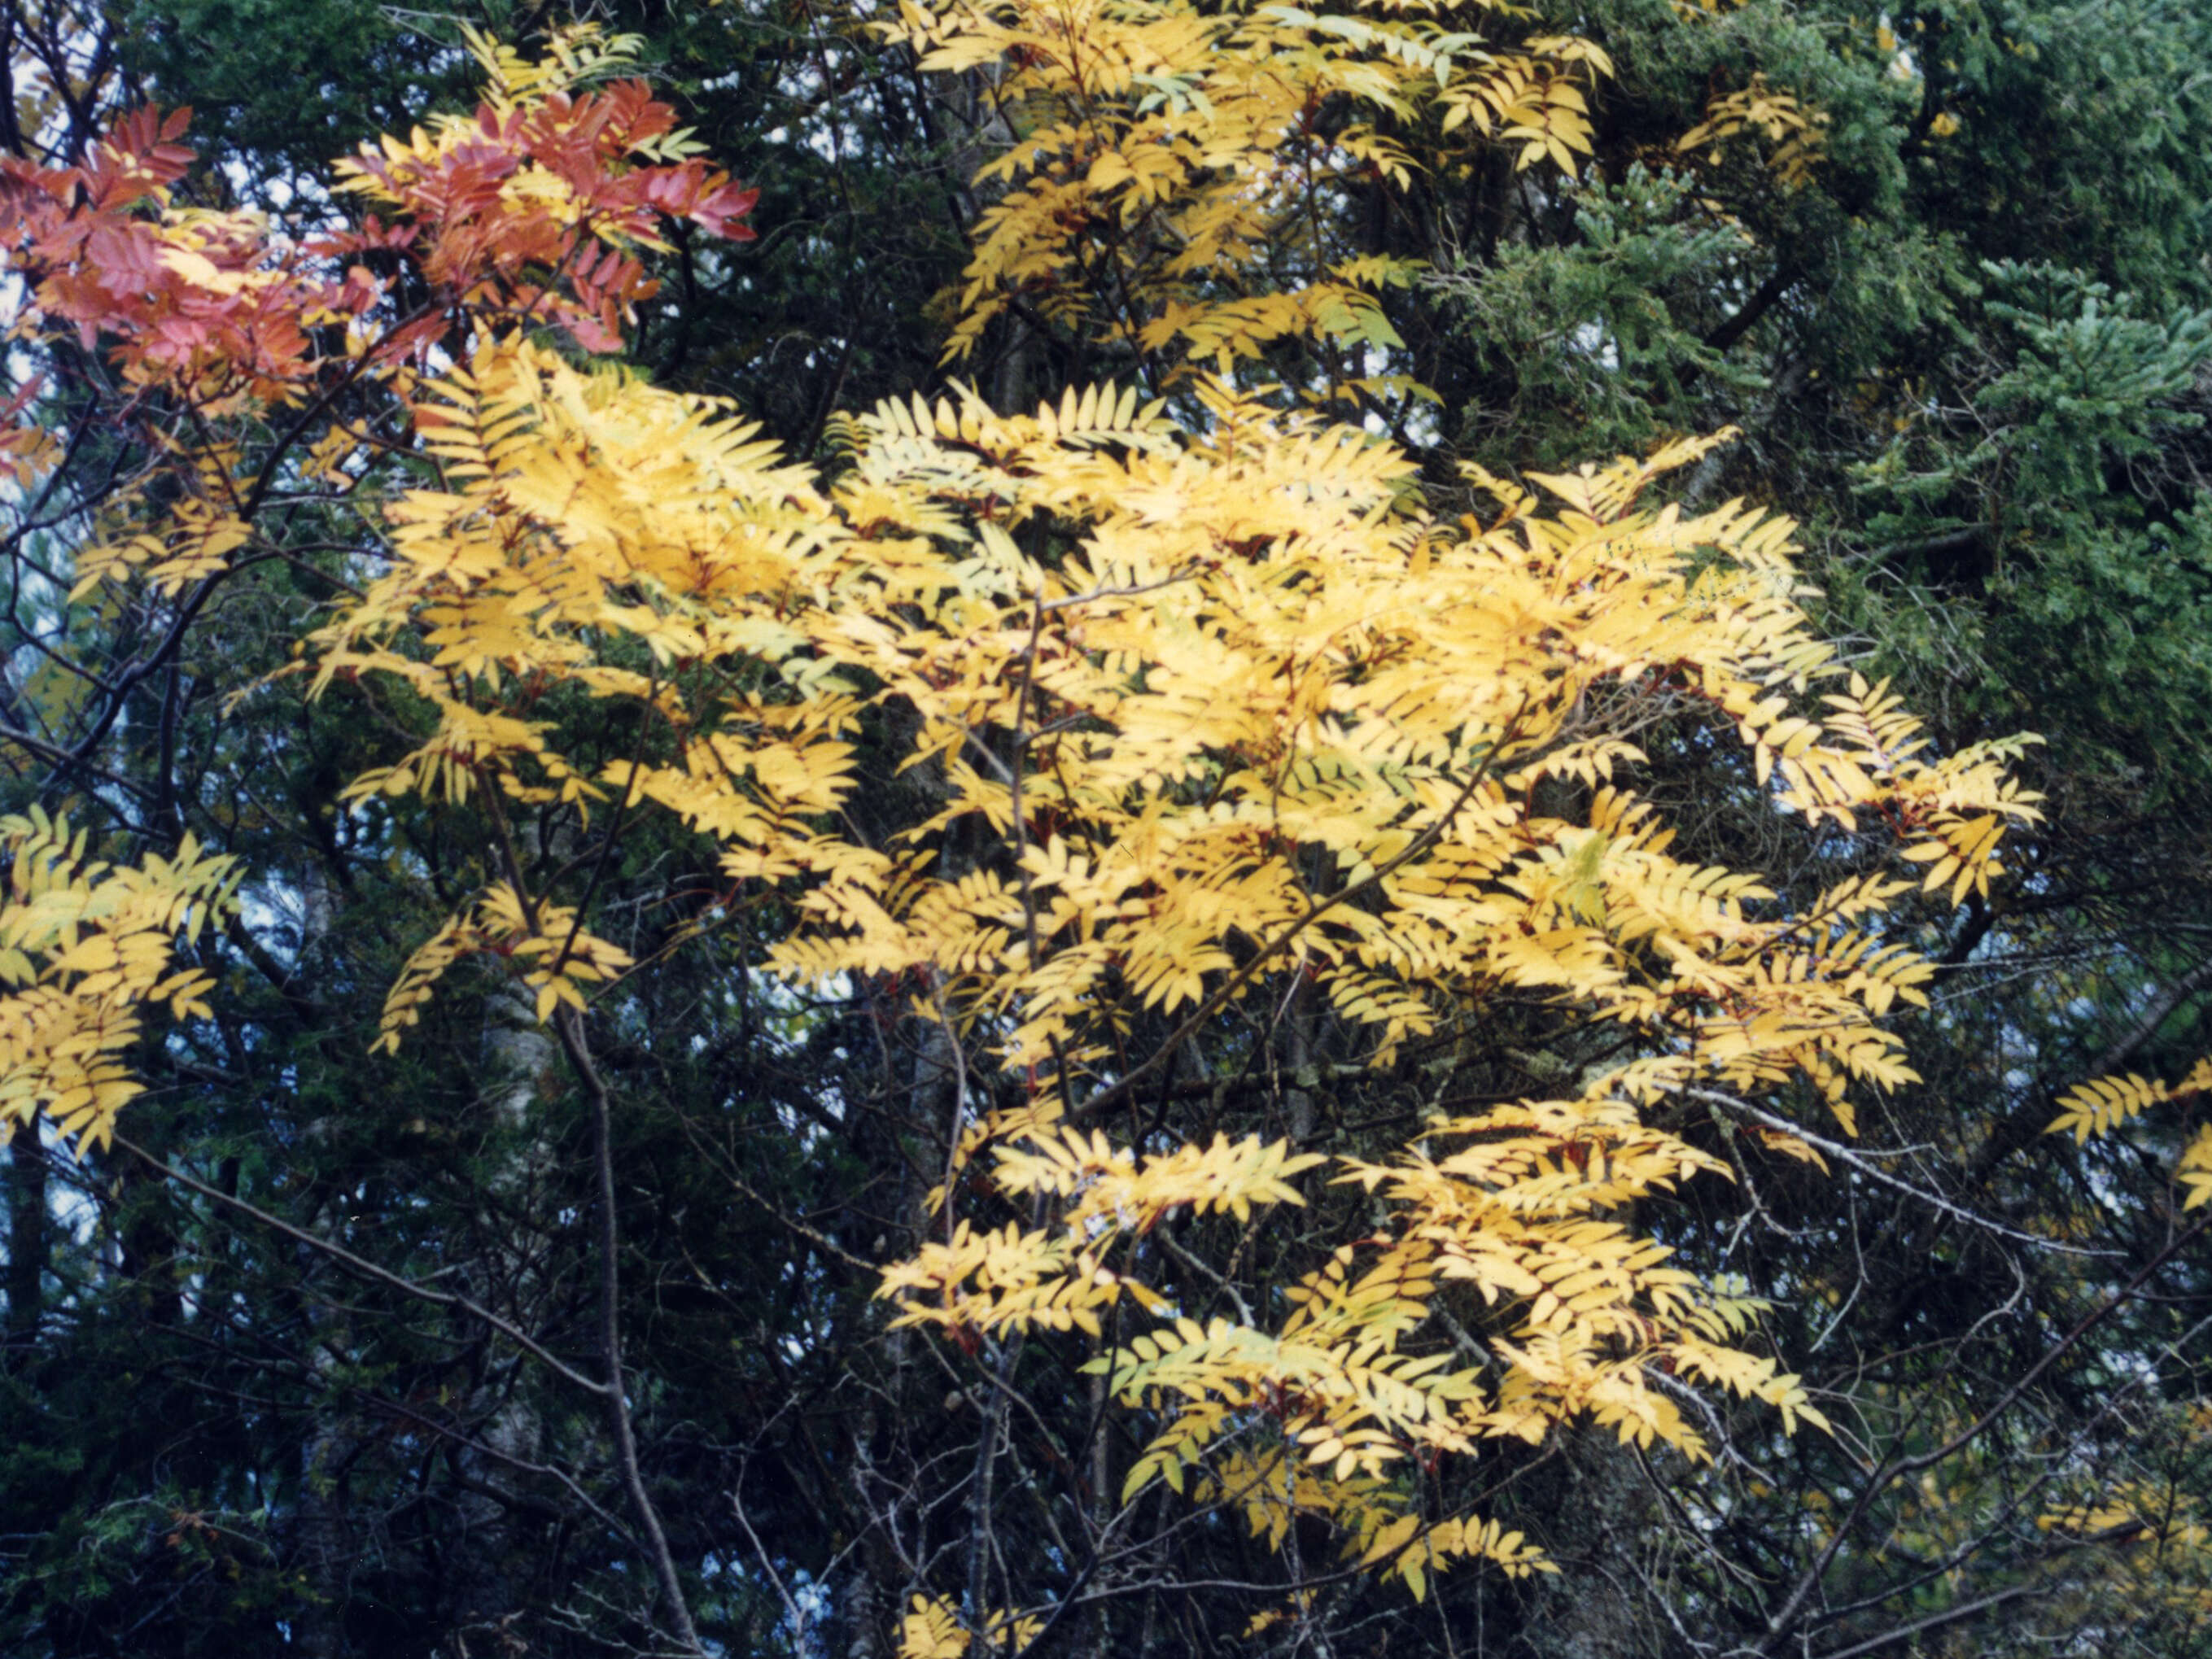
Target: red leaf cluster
[(533, 215), (529, 212), (206, 304)]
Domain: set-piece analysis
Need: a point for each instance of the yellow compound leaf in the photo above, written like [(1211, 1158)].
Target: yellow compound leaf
[(85, 948)]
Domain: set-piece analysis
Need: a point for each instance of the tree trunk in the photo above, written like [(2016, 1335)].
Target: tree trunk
[(1599, 1528), (491, 1554)]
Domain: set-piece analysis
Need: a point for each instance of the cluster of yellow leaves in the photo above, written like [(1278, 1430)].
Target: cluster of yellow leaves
[(2150, 1554), (559, 961), (988, 1281), (1793, 133), (1164, 152), (1951, 800), (575, 55), (932, 1629), (2133, 1512), (85, 947), (1208, 705), (1222, 702), (196, 540), (1271, 1491), (2103, 1103), (2126, 1540), (1112, 1186)]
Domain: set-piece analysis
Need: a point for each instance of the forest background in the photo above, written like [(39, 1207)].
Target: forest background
[(1455, 1220)]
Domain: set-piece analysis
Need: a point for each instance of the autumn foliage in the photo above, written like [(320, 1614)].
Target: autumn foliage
[(1219, 705)]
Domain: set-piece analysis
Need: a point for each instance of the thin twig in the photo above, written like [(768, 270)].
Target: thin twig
[(368, 1269), (570, 1022)]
